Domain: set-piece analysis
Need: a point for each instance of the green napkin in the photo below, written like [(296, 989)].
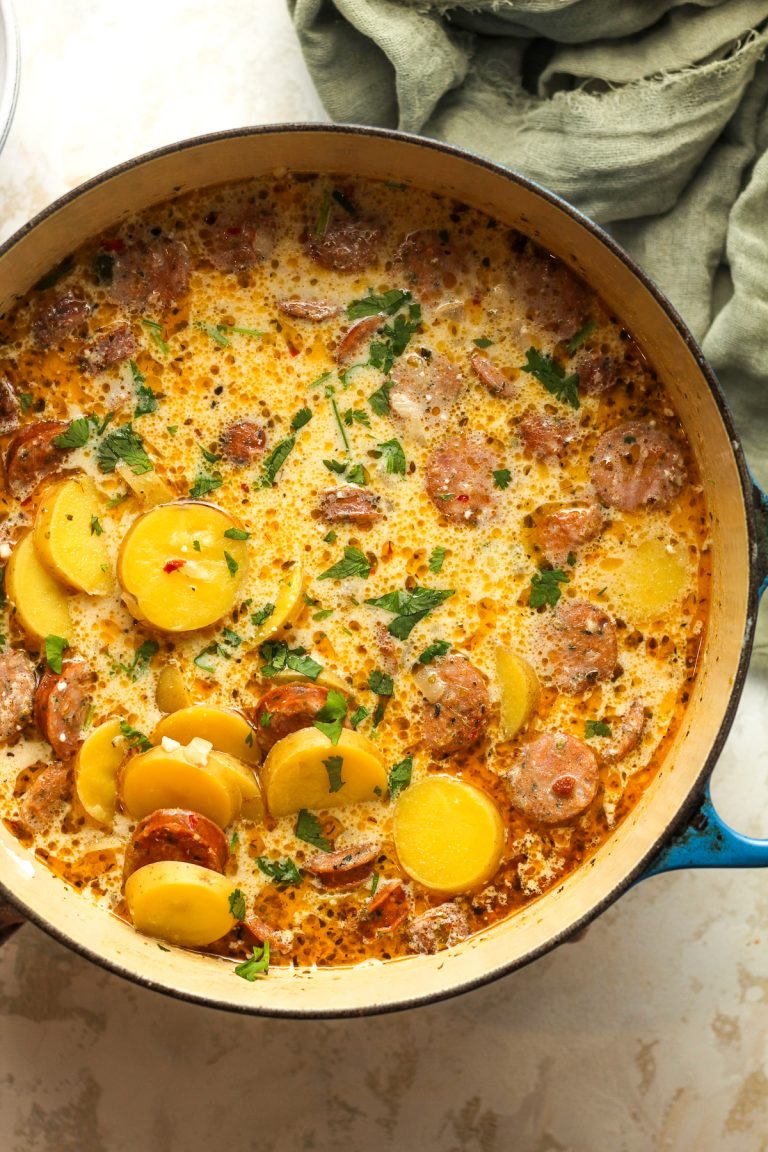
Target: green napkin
[(651, 116)]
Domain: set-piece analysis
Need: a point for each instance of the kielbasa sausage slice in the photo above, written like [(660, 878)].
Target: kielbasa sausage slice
[(17, 692), (58, 318), (545, 436), (429, 262), (176, 834), (61, 705), (358, 505), (559, 531), (9, 407), (459, 478), (424, 389), (345, 867), (150, 274), (349, 245), (242, 442), (636, 465), (456, 707), (239, 237), (109, 348), (438, 928), (580, 642), (45, 796), (286, 708), (554, 778), (32, 456), (313, 310), (492, 376)]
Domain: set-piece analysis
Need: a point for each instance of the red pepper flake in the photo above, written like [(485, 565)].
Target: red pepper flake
[(173, 565), (462, 498), (112, 244), (293, 351)]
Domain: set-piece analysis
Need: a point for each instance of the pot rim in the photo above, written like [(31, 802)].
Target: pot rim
[(695, 794)]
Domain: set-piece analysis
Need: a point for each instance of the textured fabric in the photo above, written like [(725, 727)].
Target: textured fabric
[(651, 116)]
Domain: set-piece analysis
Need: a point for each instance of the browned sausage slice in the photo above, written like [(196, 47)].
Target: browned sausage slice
[(17, 692), (580, 642), (349, 245), (356, 338), (626, 735), (176, 834), (150, 274), (9, 407), (243, 441), (286, 708), (239, 237), (459, 478), (280, 940), (439, 928), (45, 796), (554, 778), (313, 310), (430, 263), (61, 704), (456, 706), (546, 436), (597, 372), (349, 502), (108, 349), (346, 867), (32, 456), (492, 376), (388, 649), (58, 319), (635, 465), (388, 908), (424, 389), (554, 297), (559, 531)]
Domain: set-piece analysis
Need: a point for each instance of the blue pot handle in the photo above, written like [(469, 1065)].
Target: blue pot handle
[(707, 841)]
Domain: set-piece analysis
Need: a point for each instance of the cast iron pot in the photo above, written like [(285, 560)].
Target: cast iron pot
[(674, 824)]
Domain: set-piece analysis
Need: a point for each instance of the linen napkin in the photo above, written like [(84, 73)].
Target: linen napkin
[(651, 116)]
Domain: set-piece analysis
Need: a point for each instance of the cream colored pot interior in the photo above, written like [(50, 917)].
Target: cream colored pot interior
[(377, 987)]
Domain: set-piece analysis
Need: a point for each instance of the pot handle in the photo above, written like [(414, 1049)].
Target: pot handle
[(707, 841)]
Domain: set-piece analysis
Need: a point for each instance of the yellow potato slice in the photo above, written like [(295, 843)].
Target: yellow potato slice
[(288, 603), (65, 540), (519, 691), (653, 577), (448, 835), (227, 729), (182, 903), (150, 488), (41, 603), (253, 807), (171, 693), (171, 779), (325, 679), (295, 774), (167, 580), (96, 769)]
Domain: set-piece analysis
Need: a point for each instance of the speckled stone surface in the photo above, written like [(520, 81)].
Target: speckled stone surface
[(650, 1033)]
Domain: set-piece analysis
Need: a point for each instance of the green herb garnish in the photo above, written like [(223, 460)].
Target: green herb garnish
[(282, 872), (330, 718), (545, 587), (274, 462), (155, 330), (237, 534), (385, 304), (433, 650), (355, 563), (302, 417), (54, 652), (76, 435), (596, 728), (409, 607), (552, 375), (394, 456), (579, 337), (123, 444), (135, 739), (501, 478), (232, 564), (237, 904), (400, 776), (437, 558), (96, 528), (309, 829), (258, 965), (333, 766)]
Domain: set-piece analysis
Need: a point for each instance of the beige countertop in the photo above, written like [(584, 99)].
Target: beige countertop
[(650, 1033)]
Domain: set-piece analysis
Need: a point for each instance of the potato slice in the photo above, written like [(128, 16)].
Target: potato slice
[(325, 679), (65, 540), (182, 903), (253, 807), (96, 769), (41, 603), (519, 691), (182, 778), (288, 604), (171, 693), (150, 488), (653, 577), (296, 773), (178, 570), (448, 835), (225, 728)]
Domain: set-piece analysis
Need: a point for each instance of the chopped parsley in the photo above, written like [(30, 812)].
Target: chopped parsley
[(225, 647), (545, 587), (433, 650), (96, 528), (374, 883), (579, 337), (264, 613), (482, 342), (356, 416), (394, 456), (141, 660), (302, 417), (330, 718), (54, 652), (217, 333), (552, 375), (385, 304), (155, 330), (282, 872), (309, 829), (330, 537), (501, 478), (208, 456), (146, 400), (437, 558), (237, 534), (172, 429), (277, 656), (323, 614), (394, 339), (409, 607), (355, 563), (237, 904), (379, 400), (123, 444), (258, 965), (274, 462), (358, 716), (76, 435), (352, 473), (400, 776), (205, 483), (232, 564), (120, 498), (333, 766), (265, 719), (26, 399), (136, 740), (380, 683), (596, 728)]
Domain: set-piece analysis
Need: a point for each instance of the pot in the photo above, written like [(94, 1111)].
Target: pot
[(674, 824)]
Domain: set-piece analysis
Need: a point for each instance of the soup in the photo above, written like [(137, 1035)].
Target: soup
[(356, 571)]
